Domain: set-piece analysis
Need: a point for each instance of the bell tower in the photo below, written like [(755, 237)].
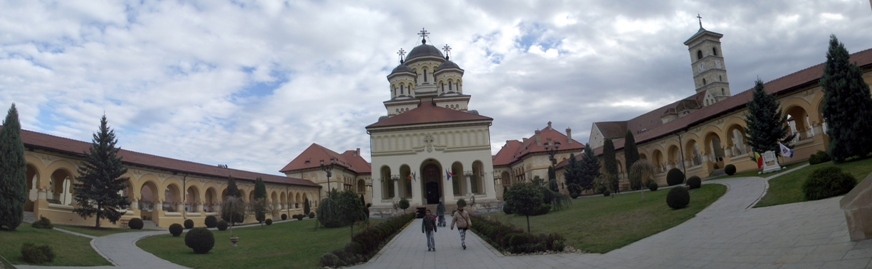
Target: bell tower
[(707, 63)]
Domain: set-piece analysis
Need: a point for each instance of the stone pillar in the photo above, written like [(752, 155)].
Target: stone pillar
[(417, 195), (200, 207), (468, 185), (66, 195), (396, 189), (134, 204)]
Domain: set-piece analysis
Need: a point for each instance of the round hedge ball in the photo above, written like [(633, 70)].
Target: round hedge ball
[(135, 223), (694, 182), (211, 221), (176, 229), (653, 185), (200, 240), (268, 221), (222, 225), (678, 198), (730, 169), (189, 224), (674, 177)]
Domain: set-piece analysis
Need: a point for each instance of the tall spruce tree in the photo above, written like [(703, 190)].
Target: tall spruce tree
[(232, 206), (99, 182), (13, 172), (232, 189), (572, 171), (847, 105), (589, 169), (765, 124), (631, 156), (260, 205), (611, 164)]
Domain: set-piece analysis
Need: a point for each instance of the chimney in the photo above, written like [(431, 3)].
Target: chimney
[(357, 152), (568, 135), (539, 141), (525, 140), (549, 124)]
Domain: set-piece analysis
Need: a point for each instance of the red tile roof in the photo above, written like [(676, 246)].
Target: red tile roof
[(515, 150), (783, 85), (35, 140), (312, 156), (426, 113)]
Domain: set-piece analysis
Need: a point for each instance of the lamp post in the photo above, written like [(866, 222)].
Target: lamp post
[(551, 147), (328, 168)]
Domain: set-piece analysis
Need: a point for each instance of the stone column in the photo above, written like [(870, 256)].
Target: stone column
[(447, 191), (396, 189), (417, 194), (468, 184)]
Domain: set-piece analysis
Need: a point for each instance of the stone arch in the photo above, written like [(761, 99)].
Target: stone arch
[(477, 180), (431, 180), (506, 178), (210, 200), (799, 122), (298, 199), (361, 186), (171, 195), (274, 198), (658, 161), (192, 198), (674, 157), (387, 184), (714, 148), (736, 140), (31, 175), (284, 200), (692, 152), (405, 182), (61, 187), (457, 184)]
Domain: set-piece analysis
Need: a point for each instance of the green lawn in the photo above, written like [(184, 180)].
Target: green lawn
[(70, 250), (90, 230), (753, 173), (599, 224), (787, 188), (292, 244)]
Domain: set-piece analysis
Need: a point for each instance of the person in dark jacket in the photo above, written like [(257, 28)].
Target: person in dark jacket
[(440, 212), (428, 227)]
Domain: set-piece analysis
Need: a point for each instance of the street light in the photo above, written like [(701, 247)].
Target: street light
[(551, 147), (328, 169)]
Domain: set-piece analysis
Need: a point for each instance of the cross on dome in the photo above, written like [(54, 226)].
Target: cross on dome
[(700, 20), (401, 53), (423, 34), (446, 49)]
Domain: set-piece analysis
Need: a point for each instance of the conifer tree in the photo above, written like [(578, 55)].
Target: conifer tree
[(589, 169), (611, 164), (631, 156), (847, 105), (765, 124), (13, 172), (99, 182), (232, 206), (306, 207), (260, 206), (572, 172), (232, 189)]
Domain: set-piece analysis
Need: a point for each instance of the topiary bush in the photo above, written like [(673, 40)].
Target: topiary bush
[(730, 169), (176, 229), (678, 198), (222, 225), (652, 186), (827, 182), (694, 182), (135, 223), (284, 216), (211, 221), (300, 217), (607, 193), (268, 221), (674, 177), (37, 254), (311, 215), (200, 240), (42, 223), (507, 209), (189, 224), (819, 157), (574, 190)]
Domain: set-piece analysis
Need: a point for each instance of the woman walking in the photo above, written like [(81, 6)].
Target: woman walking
[(461, 219)]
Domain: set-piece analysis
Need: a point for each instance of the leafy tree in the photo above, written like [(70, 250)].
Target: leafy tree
[(259, 205), (349, 209), (611, 164), (99, 181), (847, 105), (524, 199), (589, 170), (631, 155), (641, 172), (13, 172), (307, 207), (766, 126), (327, 210), (233, 210), (403, 204), (232, 189), (365, 208)]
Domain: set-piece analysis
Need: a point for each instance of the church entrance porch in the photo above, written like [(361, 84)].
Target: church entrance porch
[(431, 179), (432, 190)]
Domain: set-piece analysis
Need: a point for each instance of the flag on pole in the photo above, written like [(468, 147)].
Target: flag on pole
[(759, 160), (785, 151), (448, 175)]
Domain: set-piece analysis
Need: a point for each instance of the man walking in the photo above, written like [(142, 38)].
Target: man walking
[(440, 212), (428, 227), (461, 219)]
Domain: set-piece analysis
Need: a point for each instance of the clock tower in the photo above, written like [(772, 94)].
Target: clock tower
[(707, 62)]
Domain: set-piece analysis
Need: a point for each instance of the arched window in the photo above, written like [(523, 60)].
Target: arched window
[(449, 86), (699, 55), (720, 78), (402, 89), (715, 51), (703, 82), (722, 91), (442, 84), (425, 75)]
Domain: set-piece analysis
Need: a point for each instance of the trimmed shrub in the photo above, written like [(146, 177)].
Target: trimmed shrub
[(652, 185), (42, 223), (366, 243), (189, 224), (300, 217), (176, 229), (678, 198), (311, 215), (37, 254), (211, 221), (730, 169), (543, 209), (331, 260), (508, 238), (694, 182), (819, 157), (135, 223), (222, 225), (507, 209), (268, 221), (574, 190), (827, 182), (607, 193), (284, 216), (674, 177), (200, 240)]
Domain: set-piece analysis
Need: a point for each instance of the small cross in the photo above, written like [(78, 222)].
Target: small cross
[(446, 49), (423, 34), (700, 20), (401, 53)]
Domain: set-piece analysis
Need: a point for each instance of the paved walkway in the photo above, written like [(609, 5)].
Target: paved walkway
[(727, 234)]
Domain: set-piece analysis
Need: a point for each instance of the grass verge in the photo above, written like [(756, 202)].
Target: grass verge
[(294, 244), (787, 188), (70, 250), (754, 173), (94, 231), (598, 224)]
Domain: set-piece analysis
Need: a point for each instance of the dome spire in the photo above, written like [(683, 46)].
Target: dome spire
[(401, 53), (423, 34), (446, 49), (700, 20)]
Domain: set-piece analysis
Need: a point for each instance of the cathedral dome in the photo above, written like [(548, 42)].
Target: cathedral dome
[(447, 65), (402, 68), (424, 50)]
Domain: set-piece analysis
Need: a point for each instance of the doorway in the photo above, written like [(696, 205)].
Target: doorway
[(432, 193)]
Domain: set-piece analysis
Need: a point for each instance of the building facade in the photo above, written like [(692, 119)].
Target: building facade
[(349, 171)]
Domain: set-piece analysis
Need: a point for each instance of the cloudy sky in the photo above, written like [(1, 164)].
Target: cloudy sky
[(252, 84)]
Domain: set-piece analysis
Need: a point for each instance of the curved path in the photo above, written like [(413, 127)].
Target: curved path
[(727, 234)]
